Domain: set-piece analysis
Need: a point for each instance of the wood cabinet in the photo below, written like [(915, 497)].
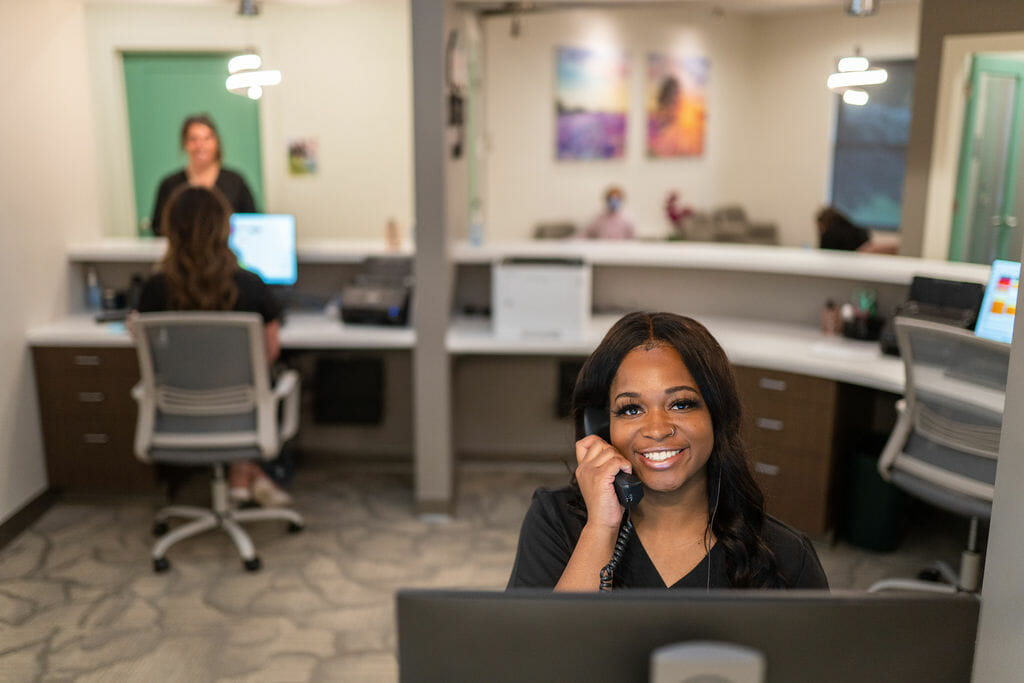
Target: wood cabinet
[(88, 419), (790, 428)]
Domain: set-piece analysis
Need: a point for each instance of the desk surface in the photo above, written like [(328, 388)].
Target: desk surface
[(773, 346), (302, 330), (151, 249), (746, 258)]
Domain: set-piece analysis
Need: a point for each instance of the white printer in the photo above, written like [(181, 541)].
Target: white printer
[(540, 298)]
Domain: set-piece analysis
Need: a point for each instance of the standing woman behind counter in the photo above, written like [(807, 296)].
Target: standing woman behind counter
[(201, 142)]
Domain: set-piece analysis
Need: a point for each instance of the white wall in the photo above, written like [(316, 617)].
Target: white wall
[(770, 117), (788, 174), (346, 82), (48, 196)]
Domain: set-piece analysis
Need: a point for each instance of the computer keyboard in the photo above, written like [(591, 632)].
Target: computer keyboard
[(112, 315)]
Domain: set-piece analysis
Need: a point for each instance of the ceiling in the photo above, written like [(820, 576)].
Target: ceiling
[(738, 6)]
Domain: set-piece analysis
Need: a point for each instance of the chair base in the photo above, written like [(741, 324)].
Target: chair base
[(947, 581), (221, 516)]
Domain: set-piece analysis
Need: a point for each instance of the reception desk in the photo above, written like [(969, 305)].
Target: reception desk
[(763, 304)]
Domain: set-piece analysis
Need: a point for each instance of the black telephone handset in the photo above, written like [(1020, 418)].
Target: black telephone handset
[(628, 487)]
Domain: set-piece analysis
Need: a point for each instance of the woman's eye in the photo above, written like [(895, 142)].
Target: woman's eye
[(684, 404), (626, 410)]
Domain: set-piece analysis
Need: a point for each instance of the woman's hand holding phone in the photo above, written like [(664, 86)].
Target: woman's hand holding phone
[(597, 464)]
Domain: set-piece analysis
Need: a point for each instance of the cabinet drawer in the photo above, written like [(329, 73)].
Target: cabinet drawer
[(85, 363), (798, 427), (803, 471), (96, 455), (796, 495), (111, 396), (767, 388)]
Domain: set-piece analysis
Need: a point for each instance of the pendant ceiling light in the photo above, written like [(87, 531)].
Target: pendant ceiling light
[(852, 75), (861, 8), (245, 75)]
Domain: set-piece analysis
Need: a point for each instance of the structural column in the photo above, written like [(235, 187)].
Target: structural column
[(432, 400)]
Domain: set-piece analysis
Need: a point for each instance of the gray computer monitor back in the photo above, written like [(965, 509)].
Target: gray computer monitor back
[(804, 635)]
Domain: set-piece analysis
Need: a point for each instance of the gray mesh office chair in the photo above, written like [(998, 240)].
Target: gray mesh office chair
[(944, 446), (205, 399)]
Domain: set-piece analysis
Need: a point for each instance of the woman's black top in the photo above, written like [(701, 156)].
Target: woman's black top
[(230, 183), (553, 524), (843, 235), (254, 296)]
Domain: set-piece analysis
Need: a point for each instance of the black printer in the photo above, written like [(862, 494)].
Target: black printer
[(380, 293), (949, 302)]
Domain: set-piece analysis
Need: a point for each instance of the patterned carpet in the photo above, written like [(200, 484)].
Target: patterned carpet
[(79, 600)]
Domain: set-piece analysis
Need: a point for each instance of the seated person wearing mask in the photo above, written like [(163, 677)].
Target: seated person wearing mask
[(611, 224)]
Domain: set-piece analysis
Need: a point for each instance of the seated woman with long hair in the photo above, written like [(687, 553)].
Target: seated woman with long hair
[(199, 272), (666, 391)]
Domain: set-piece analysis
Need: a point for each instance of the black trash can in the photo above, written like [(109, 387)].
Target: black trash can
[(875, 511)]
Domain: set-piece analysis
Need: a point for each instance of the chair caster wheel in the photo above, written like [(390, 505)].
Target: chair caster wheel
[(252, 565), (159, 528), (294, 528), (160, 564)]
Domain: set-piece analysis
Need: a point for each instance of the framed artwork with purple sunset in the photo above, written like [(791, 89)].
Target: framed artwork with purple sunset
[(591, 103)]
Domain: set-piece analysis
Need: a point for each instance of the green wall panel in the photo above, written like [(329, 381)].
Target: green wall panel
[(161, 90)]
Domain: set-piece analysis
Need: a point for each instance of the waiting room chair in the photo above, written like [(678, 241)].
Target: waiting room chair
[(205, 398), (730, 224), (944, 446)]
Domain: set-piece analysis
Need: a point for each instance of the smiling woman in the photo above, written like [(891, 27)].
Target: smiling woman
[(670, 398)]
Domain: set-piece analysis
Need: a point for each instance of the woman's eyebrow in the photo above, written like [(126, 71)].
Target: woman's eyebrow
[(669, 391)]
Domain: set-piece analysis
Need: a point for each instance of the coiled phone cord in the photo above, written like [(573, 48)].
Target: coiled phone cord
[(608, 571)]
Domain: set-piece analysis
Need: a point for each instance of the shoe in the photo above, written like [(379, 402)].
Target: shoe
[(268, 495), (239, 494)]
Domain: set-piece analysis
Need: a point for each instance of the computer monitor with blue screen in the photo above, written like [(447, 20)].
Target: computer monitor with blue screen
[(265, 244), (999, 305)]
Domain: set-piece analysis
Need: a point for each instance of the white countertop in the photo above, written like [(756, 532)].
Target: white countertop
[(749, 258), (151, 249), (773, 346), (302, 330), (789, 348)]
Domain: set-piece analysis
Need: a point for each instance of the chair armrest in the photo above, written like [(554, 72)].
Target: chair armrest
[(898, 439), (286, 391)]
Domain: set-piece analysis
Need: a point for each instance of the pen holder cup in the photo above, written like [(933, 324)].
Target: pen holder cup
[(866, 328)]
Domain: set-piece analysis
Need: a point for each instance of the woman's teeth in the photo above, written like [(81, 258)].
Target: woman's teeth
[(658, 456)]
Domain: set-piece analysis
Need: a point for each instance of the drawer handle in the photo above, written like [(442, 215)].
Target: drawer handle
[(88, 361), (91, 397), (768, 423), (772, 384), (765, 468), (95, 438)]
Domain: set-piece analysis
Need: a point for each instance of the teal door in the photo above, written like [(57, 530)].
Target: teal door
[(161, 90), (989, 192)]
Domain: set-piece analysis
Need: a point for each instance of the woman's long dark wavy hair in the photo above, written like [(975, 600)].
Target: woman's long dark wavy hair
[(739, 516), (199, 265)]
